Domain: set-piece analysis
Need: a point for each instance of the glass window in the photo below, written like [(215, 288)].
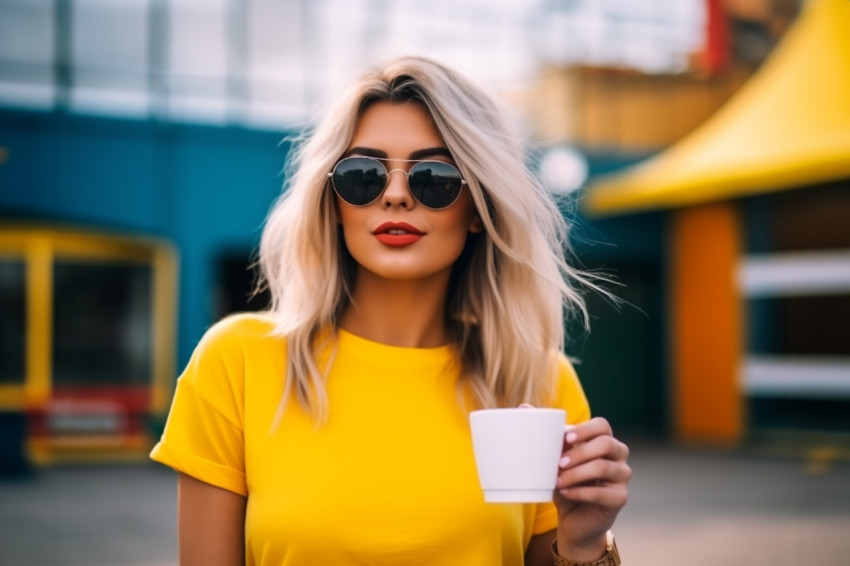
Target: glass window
[(814, 218), (198, 60), (12, 320), (102, 324), (110, 56), (236, 285), (807, 325), (797, 370), (276, 68), (27, 50)]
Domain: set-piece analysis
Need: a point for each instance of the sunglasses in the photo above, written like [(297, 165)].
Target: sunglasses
[(361, 180)]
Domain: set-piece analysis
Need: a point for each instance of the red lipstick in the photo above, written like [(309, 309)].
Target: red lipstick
[(397, 234)]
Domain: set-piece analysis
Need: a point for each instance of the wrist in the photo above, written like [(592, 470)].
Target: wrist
[(609, 556), (586, 551)]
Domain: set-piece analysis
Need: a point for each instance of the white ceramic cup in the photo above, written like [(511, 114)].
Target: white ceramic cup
[(517, 452)]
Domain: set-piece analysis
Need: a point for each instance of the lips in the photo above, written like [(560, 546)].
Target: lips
[(397, 234)]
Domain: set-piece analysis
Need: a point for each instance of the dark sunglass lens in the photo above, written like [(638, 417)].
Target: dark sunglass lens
[(359, 180), (435, 184)]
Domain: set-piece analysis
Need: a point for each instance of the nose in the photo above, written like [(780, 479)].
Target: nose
[(397, 193)]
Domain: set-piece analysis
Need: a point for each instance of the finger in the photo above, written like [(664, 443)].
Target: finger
[(613, 496), (594, 472), (583, 432), (606, 447)]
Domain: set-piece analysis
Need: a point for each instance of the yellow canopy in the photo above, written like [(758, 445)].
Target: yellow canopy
[(787, 127)]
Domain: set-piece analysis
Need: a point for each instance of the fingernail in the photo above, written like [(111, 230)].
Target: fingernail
[(571, 437), (565, 461)]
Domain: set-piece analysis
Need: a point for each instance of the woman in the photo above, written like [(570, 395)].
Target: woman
[(417, 272)]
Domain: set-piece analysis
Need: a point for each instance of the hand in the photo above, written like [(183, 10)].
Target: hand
[(591, 488)]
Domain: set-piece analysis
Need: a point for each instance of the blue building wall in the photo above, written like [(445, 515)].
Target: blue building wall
[(205, 189), (208, 190)]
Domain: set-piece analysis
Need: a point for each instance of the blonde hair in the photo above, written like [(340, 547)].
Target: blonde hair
[(511, 287)]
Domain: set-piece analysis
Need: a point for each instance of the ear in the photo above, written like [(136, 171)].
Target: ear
[(476, 226)]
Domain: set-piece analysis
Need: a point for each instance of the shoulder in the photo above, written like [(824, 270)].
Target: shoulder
[(217, 368), (565, 367), (241, 326), (236, 331), (226, 343), (569, 393)]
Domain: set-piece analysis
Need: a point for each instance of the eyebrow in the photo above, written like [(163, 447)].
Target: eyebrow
[(414, 156)]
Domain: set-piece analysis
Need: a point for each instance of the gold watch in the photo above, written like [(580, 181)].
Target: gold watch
[(610, 558)]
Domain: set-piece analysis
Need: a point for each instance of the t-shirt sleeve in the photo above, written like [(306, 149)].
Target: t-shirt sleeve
[(203, 436), (570, 397)]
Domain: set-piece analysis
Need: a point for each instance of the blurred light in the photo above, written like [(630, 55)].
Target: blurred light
[(563, 170)]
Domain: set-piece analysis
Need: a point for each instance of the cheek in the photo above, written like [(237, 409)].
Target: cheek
[(340, 210), (346, 215), (456, 232), (350, 235), (464, 216), (346, 219), (359, 244)]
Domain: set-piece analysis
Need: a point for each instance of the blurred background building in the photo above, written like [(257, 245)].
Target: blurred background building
[(142, 142)]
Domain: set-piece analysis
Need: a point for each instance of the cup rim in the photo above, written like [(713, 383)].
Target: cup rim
[(515, 410)]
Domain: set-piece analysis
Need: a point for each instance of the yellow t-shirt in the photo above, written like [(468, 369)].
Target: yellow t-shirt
[(389, 479)]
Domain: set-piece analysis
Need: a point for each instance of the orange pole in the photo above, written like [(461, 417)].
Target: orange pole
[(706, 324)]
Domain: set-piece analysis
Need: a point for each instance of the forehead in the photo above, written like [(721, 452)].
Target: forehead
[(396, 127)]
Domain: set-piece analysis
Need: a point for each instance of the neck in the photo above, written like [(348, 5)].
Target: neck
[(398, 313)]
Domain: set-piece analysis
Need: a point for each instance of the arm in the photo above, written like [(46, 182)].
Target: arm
[(539, 551), (591, 490), (210, 524), (592, 487)]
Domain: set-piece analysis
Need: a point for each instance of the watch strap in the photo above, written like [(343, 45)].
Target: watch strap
[(611, 557)]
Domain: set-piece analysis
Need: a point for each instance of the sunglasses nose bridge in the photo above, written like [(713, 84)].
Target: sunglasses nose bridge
[(402, 171), (398, 190)]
